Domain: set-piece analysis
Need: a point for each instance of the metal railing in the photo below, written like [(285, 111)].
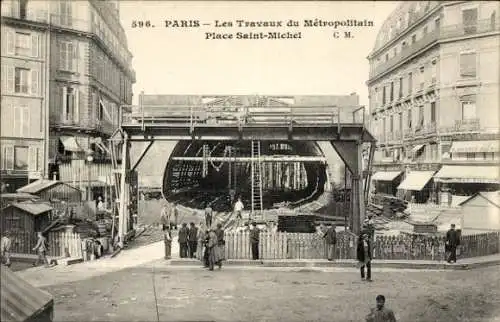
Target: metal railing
[(240, 116), (445, 32)]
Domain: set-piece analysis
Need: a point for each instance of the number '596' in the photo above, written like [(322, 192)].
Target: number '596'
[(141, 24)]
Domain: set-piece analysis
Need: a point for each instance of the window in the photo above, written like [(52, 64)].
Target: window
[(23, 42), (391, 124), (410, 83), (468, 64), (21, 80), (422, 78), (384, 128), (383, 95), (409, 118), (433, 71), (70, 104), (413, 39), (469, 20), (493, 20), (392, 91), (65, 12), (470, 155), (8, 157), (67, 57), (420, 116), (20, 158), (403, 45), (400, 87), (433, 112), (21, 124), (468, 110), (22, 8)]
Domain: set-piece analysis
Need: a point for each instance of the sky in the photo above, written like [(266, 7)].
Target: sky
[(181, 61)]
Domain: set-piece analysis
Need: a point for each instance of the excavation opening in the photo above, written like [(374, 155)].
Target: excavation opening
[(201, 172)]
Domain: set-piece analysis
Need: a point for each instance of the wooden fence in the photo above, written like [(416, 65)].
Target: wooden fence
[(280, 245), (60, 243)]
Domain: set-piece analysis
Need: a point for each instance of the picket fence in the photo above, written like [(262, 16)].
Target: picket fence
[(61, 243), (281, 245)]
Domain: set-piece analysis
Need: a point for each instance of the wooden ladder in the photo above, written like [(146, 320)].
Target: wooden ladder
[(256, 176)]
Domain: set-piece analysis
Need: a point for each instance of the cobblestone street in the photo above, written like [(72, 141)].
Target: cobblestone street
[(238, 294)]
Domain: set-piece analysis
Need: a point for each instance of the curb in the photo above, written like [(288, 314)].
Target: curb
[(69, 261), (343, 264)]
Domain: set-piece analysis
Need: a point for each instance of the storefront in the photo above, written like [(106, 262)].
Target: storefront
[(417, 186), (385, 182)]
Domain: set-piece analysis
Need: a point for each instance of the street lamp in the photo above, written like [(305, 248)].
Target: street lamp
[(90, 159)]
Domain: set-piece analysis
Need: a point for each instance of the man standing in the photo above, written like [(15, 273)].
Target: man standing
[(364, 256), (452, 241), (165, 217), (380, 313), (41, 249), (192, 240), (5, 248), (330, 237), (175, 212), (211, 246), (183, 240), (168, 242), (208, 216), (220, 244), (238, 208), (254, 240)]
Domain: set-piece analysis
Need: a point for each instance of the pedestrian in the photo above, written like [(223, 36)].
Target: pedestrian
[(175, 213), (452, 242), (330, 237), (381, 313), (41, 248), (220, 245), (192, 240), (201, 241), (5, 249), (254, 240), (208, 216), (364, 256), (167, 238), (206, 249), (238, 209), (212, 252), (183, 241), (165, 216)]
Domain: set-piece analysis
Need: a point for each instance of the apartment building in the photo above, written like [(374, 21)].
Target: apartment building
[(67, 71), (434, 108)]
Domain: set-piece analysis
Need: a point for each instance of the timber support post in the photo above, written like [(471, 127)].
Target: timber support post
[(123, 215)]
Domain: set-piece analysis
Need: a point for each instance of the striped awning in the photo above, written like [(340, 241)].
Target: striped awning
[(70, 144), (386, 175), (475, 146), (21, 301), (468, 174), (416, 180)]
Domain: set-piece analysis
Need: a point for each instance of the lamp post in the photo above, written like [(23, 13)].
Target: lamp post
[(90, 159)]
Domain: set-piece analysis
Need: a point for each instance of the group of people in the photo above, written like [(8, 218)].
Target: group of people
[(41, 248)]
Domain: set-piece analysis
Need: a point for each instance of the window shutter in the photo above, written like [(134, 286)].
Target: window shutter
[(17, 121), (64, 103), (34, 45), (62, 56), (9, 158), (10, 42), (26, 122), (76, 112), (34, 82), (75, 56), (69, 56), (10, 79)]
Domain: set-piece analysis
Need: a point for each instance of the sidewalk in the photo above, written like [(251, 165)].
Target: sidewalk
[(464, 264)]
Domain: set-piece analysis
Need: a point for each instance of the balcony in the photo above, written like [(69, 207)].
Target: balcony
[(426, 129), (462, 126), (446, 32)]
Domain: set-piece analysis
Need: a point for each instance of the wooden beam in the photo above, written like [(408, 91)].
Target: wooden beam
[(249, 159), (142, 155)]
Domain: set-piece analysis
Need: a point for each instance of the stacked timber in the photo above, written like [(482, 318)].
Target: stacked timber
[(391, 206)]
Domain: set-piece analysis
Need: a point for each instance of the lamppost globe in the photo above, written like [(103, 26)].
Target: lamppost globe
[(90, 158)]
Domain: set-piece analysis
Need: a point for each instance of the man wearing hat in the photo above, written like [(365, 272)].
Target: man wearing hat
[(364, 255), (254, 240)]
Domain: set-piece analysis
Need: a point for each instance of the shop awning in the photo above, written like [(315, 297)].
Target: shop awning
[(475, 146), (416, 180), (70, 144), (468, 174), (386, 175), (417, 148)]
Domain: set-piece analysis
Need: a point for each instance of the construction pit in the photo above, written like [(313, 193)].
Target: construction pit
[(272, 178)]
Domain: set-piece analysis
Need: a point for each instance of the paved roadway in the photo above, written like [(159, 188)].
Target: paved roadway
[(138, 285)]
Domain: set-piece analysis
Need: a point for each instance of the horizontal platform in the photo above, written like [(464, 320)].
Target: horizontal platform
[(281, 158), (260, 131)]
